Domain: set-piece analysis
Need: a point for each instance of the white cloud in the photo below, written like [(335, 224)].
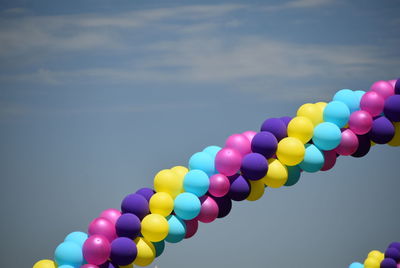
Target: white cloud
[(295, 4)]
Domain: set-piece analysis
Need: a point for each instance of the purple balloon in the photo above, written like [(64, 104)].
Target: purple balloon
[(393, 253), (382, 130), (276, 126), (395, 245), (286, 120), (128, 225), (397, 87), (240, 188), (388, 263), (264, 143), (224, 206), (135, 204), (254, 166), (364, 145), (108, 264), (146, 193), (123, 251), (392, 108)]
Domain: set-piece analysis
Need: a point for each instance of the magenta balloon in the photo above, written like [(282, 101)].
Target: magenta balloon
[(219, 185), (239, 142), (360, 122), (96, 249), (330, 160), (392, 82), (348, 144), (373, 103), (191, 228), (111, 214), (209, 209), (228, 161), (383, 88), (102, 226), (249, 135), (89, 266)]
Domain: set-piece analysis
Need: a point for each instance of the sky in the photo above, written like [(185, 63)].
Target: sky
[(97, 96)]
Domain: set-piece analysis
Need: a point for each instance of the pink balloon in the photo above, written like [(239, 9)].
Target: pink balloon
[(191, 227), (96, 249), (228, 161), (330, 160), (348, 144), (360, 122), (111, 214), (392, 82), (102, 226), (209, 209), (219, 185), (249, 134), (372, 102), (89, 266), (383, 88), (239, 142)]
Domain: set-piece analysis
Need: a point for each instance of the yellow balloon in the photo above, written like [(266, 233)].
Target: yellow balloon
[(181, 171), (312, 112), (161, 203), (301, 127), (277, 174), (376, 254), (146, 252), (372, 263), (373, 143), (45, 264), (321, 105), (290, 151), (126, 266), (396, 139), (154, 227), (257, 189), (169, 182)]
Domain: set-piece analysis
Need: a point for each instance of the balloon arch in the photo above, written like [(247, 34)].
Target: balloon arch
[(248, 163)]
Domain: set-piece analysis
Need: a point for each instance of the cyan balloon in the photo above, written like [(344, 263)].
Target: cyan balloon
[(177, 229), (337, 112), (313, 159)]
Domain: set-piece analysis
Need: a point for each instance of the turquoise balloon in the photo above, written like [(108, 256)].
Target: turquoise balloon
[(356, 265), (294, 173), (313, 159), (187, 206), (68, 253), (327, 136), (202, 161), (337, 112), (348, 97), (77, 237), (196, 182), (177, 229), (359, 94), (66, 266), (212, 150), (159, 246)]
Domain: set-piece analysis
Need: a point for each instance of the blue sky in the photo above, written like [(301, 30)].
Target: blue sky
[(97, 96)]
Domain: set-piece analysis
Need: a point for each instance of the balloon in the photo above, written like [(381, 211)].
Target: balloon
[(392, 108), (393, 253), (123, 251), (66, 266), (392, 83), (356, 265), (146, 252), (397, 87), (126, 266), (382, 130), (45, 264), (395, 245), (383, 88), (348, 144), (337, 112), (264, 143), (109, 264), (77, 237), (161, 203), (257, 189), (360, 122), (321, 105), (168, 181), (187, 206), (254, 166), (191, 228), (294, 173), (89, 266), (128, 225), (364, 145), (359, 94), (228, 161), (330, 159), (276, 126), (202, 161), (388, 263), (154, 227), (239, 142), (348, 97), (177, 229), (196, 182), (277, 174), (96, 249), (312, 112), (249, 135), (313, 159), (301, 128), (286, 120), (224, 206), (68, 253), (209, 209), (146, 192), (239, 189), (102, 226), (219, 185), (181, 171), (159, 247), (111, 214), (395, 141), (290, 151), (135, 204), (373, 103), (327, 136), (376, 254), (371, 263), (212, 150)]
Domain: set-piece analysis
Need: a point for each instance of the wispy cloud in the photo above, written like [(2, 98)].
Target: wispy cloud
[(296, 4)]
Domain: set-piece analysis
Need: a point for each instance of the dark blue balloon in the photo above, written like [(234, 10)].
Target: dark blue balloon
[(240, 188), (388, 263), (254, 166), (276, 126), (224, 205), (364, 145), (382, 130), (135, 204), (146, 193), (264, 143), (393, 253), (392, 108), (123, 251), (128, 225), (397, 86)]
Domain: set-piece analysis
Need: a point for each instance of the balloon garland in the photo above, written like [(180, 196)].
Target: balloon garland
[(248, 163)]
